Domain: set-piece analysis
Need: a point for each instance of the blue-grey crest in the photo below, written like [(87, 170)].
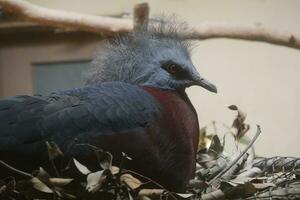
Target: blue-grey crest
[(155, 55)]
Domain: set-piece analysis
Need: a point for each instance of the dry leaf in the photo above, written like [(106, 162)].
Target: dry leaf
[(104, 158), (114, 170), (262, 186), (233, 107), (239, 127), (40, 186), (216, 145), (58, 182), (240, 180), (241, 190), (42, 175), (185, 196), (252, 172), (94, 181), (130, 181), (83, 169), (151, 192), (53, 150)]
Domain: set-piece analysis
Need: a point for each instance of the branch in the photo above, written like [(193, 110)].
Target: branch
[(252, 33), (57, 18), (110, 25), (17, 171)]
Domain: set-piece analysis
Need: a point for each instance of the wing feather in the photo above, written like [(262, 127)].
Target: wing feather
[(111, 107)]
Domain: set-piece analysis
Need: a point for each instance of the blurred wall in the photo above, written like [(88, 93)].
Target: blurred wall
[(260, 78)]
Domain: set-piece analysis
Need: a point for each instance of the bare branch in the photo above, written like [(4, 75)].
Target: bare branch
[(251, 33), (17, 171), (110, 25), (140, 15), (57, 18)]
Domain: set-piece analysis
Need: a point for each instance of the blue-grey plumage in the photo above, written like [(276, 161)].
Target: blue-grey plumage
[(105, 108), (134, 102)]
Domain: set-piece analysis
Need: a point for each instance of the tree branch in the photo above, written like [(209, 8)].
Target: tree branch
[(252, 33), (57, 18), (110, 25)]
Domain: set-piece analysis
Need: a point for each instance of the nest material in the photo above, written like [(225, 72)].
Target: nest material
[(218, 175)]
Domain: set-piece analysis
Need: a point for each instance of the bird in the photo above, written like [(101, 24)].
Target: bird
[(134, 101)]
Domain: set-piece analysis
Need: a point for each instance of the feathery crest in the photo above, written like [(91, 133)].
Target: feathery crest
[(126, 57)]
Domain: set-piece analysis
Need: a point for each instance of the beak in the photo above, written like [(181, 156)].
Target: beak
[(205, 84)]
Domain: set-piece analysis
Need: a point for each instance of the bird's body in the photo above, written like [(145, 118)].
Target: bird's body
[(148, 124), (135, 103)]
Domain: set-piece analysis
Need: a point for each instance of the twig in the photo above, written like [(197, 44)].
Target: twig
[(111, 25), (17, 171), (237, 158), (121, 166), (278, 193), (277, 164)]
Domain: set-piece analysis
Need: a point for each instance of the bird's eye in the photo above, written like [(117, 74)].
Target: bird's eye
[(172, 69)]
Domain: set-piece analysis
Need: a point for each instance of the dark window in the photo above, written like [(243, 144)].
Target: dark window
[(53, 77)]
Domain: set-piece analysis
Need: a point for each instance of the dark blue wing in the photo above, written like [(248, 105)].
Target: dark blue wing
[(26, 122)]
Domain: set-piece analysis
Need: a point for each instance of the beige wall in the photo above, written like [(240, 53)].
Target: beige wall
[(17, 60), (260, 78)]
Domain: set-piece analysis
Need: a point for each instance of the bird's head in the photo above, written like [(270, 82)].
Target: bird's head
[(155, 56)]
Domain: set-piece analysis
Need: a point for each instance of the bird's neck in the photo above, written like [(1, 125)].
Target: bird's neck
[(174, 102), (159, 93)]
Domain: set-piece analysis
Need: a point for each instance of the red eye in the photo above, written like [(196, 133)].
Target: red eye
[(172, 69)]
